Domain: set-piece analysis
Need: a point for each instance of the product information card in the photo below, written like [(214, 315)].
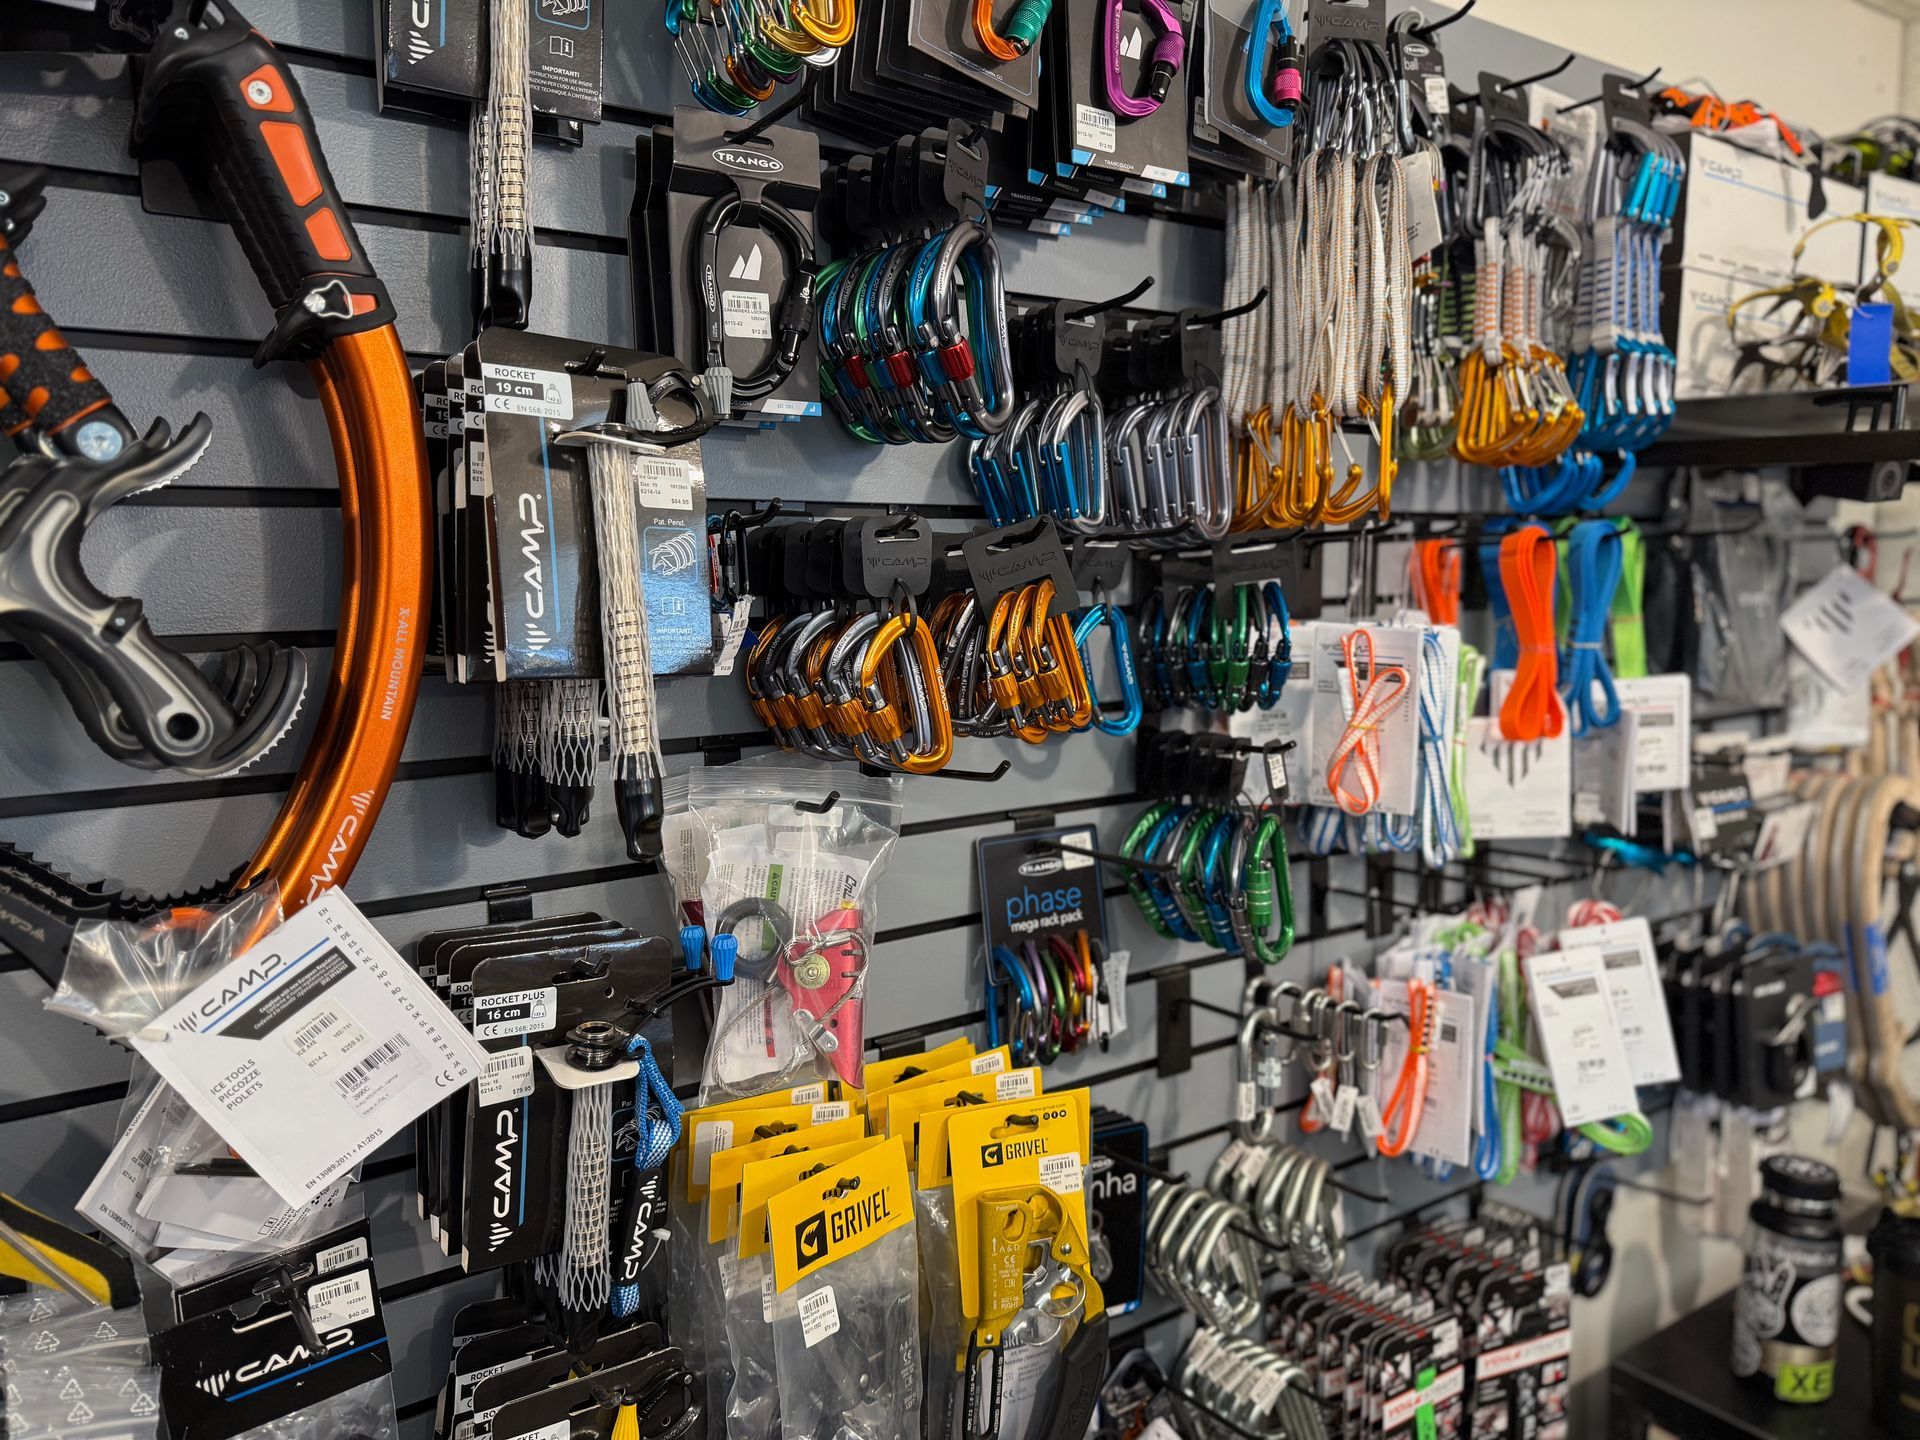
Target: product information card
[(312, 1049)]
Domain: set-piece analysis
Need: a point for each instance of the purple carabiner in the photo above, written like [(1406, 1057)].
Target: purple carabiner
[(1169, 50)]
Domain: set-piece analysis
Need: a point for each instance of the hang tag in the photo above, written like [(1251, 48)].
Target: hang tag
[(1322, 1089), (1783, 834), (1662, 706), (1245, 1105), (1603, 792), (1445, 1131), (1518, 790), (1252, 1163), (1578, 1031), (322, 1020), (1370, 1120), (1111, 1008), (1423, 209), (1848, 628), (1625, 954), (1344, 1102)]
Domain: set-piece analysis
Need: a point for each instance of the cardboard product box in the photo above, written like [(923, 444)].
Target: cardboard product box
[(1693, 317), (1893, 197), (1743, 212)]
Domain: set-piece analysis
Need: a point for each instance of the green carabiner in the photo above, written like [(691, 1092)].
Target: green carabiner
[(1269, 888)]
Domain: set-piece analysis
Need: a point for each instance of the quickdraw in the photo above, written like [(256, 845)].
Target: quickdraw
[(1517, 406), (1622, 368)]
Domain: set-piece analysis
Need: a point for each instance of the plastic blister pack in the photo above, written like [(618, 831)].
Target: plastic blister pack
[(846, 1301), (786, 857)]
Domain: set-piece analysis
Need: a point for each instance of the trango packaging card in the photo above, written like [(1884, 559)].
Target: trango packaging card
[(312, 1049)]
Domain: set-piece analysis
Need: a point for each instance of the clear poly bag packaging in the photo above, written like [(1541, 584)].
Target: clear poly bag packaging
[(786, 857), (122, 975), (75, 1370), (846, 1301)]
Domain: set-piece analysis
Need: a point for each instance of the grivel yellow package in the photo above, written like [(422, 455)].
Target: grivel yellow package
[(846, 1334), (1038, 1322)]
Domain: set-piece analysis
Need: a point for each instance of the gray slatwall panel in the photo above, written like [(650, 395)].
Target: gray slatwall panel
[(181, 276), (49, 1056), (46, 748), (48, 1161), (434, 834), (268, 432), (181, 284)]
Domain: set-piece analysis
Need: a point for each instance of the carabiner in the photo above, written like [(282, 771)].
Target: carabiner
[(1120, 631)]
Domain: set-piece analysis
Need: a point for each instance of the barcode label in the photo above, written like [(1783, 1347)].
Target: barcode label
[(1574, 989), (662, 483), (746, 315), (1449, 1032), (1657, 719), (314, 1029), (1620, 959), (378, 1074), (384, 1055), (346, 1301), (1093, 129)]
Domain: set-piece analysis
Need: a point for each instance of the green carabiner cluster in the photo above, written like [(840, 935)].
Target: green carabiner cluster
[(1214, 875)]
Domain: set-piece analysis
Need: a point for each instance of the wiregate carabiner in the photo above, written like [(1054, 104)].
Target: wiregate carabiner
[(1104, 612)]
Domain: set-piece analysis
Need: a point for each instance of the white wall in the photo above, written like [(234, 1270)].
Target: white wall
[(1831, 64)]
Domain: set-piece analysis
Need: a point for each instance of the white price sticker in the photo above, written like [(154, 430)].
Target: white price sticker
[(710, 1137), (746, 315), (819, 1316), (339, 1257), (663, 483), (1015, 1085), (346, 1301), (1093, 129), (991, 1063), (508, 1076), (1061, 1174)]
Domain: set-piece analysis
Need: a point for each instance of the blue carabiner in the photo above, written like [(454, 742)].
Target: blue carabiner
[(1280, 653), (1268, 16), (1010, 966), (1105, 612)]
